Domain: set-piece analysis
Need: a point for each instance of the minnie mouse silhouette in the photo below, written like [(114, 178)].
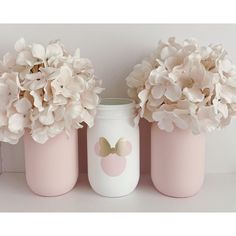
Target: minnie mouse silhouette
[(113, 159)]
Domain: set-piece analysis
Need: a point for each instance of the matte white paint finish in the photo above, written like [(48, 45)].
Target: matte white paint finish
[(114, 50), (116, 174), (217, 195)]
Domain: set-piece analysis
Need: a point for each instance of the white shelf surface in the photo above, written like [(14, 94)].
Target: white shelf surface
[(217, 195)]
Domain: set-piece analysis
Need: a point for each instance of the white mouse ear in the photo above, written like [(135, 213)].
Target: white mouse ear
[(123, 147)]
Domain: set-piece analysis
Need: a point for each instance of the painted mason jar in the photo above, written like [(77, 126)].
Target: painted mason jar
[(177, 161), (113, 149), (51, 168)]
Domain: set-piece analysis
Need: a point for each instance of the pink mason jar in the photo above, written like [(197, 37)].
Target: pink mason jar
[(177, 161), (52, 168)]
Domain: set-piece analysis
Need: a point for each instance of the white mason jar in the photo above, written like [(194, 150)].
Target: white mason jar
[(113, 149)]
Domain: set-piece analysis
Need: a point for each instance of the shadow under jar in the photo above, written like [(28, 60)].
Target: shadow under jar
[(113, 149)]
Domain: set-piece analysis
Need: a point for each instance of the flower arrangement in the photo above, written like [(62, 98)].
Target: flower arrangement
[(45, 90), (185, 85)]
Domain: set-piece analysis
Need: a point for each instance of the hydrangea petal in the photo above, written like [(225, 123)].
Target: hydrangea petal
[(25, 58), (38, 99), (46, 117), (16, 123), (9, 60), (20, 45), (38, 51), (54, 50), (173, 93), (89, 100), (193, 94), (40, 135), (23, 105), (158, 91)]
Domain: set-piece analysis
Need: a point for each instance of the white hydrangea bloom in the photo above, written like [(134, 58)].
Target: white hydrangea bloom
[(185, 85), (45, 90)]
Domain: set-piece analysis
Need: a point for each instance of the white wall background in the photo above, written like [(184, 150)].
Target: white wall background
[(114, 49)]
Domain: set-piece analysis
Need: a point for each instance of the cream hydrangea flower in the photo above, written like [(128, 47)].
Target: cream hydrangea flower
[(45, 90), (185, 85), (7, 63)]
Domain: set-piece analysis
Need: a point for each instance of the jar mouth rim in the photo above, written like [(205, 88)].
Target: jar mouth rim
[(107, 103)]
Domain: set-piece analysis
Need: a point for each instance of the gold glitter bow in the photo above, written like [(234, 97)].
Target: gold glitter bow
[(122, 147)]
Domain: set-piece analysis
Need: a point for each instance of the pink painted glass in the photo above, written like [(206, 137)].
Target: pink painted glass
[(51, 168), (177, 161)]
